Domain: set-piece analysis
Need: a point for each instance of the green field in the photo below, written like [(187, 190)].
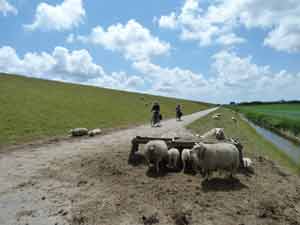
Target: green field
[(34, 108), (278, 117), (254, 144)]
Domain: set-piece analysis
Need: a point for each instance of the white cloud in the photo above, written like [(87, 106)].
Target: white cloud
[(168, 21), (6, 8), (197, 25), (70, 39), (64, 65), (68, 14), (220, 19), (133, 40), (175, 82), (239, 79), (286, 37), (119, 80), (230, 39), (60, 64), (233, 78)]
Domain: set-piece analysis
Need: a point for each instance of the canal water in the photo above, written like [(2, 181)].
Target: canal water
[(290, 148)]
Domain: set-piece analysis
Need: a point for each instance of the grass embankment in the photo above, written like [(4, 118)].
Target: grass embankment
[(282, 118), (34, 108), (254, 144)]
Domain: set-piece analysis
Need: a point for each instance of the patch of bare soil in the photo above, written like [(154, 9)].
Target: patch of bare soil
[(113, 192)]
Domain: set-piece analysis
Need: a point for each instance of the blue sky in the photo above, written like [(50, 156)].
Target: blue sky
[(219, 51)]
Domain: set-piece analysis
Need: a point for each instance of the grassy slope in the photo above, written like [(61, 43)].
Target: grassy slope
[(254, 144), (33, 108), (278, 116)]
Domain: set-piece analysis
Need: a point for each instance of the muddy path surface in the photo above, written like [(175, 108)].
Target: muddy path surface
[(90, 182)]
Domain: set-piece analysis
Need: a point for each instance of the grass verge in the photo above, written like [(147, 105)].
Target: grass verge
[(254, 143)]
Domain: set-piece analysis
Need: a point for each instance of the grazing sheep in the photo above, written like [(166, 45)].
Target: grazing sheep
[(174, 155), (186, 158), (234, 119), (155, 152), (217, 133), (94, 132), (215, 117), (220, 156), (76, 132)]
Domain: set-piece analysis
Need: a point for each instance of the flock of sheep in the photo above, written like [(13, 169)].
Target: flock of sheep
[(225, 155)]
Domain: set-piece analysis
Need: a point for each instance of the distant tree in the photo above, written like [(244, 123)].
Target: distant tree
[(232, 103)]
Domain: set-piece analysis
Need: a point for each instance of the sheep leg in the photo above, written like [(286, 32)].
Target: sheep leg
[(157, 166), (183, 163), (148, 162), (208, 173)]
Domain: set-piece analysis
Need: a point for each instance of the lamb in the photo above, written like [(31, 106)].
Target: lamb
[(174, 156), (76, 132), (219, 156), (186, 158), (217, 133), (156, 151), (94, 132)]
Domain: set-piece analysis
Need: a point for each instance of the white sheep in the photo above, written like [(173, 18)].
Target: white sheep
[(78, 132), (215, 117), (217, 133), (234, 119), (186, 158), (156, 151), (220, 156), (94, 132), (173, 158)]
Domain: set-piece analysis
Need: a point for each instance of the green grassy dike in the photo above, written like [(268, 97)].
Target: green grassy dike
[(31, 108), (254, 143)]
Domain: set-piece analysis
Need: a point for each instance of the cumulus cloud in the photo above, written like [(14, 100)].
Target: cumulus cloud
[(286, 37), (175, 82), (217, 22), (6, 8), (70, 39), (68, 14), (233, 78), (239, 79), (230, 39), (133, 40), (197, 25), (64, 65), (168, 21)]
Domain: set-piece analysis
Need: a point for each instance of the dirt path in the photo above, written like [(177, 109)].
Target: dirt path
[(43, 184)]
